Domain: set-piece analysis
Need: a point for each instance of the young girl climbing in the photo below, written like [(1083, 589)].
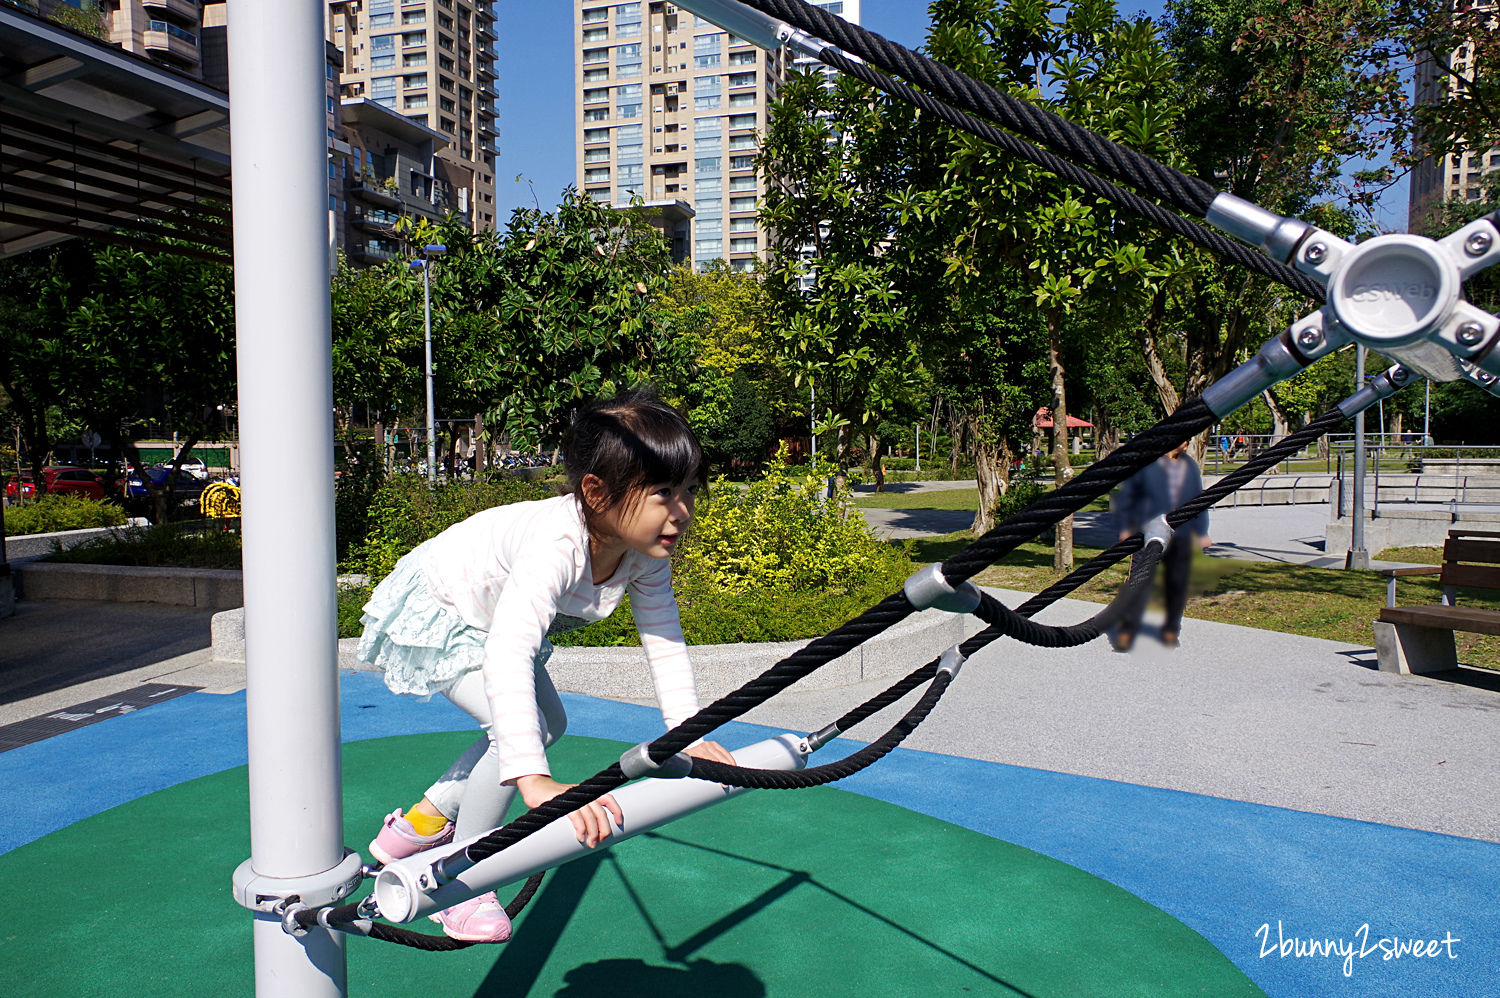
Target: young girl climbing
[(468, 613)]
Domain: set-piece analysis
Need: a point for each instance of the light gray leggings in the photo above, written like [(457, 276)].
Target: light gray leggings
[(469, 794)]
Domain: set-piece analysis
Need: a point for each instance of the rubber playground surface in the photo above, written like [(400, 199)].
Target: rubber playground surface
[(928, 874)]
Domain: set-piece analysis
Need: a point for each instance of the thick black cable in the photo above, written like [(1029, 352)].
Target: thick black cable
[(952, 87), (1021, 627), (815, 776), (1003, 621), (1154, 213), (1095, 481), (1274, 455)]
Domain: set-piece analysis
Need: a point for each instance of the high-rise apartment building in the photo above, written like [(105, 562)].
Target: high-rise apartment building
[(431, 62), (670, 109), (166, 31), (1462, 177)]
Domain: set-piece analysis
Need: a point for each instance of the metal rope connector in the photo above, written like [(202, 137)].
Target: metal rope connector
[(637, 762), (1158, 531), (928, 588), (950, 661)]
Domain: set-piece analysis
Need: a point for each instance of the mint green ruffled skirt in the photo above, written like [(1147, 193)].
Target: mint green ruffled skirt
[(422, 645)]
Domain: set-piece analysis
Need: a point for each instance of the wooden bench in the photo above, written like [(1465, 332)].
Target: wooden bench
[(1416, 639)]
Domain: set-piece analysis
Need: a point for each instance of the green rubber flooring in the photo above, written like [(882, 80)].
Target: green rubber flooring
[(817, 892)]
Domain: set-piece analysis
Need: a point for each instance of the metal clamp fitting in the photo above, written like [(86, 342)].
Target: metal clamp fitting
[(1273, 234), (1382, 386), (759, 29), (637, 762), (951, 660), (1158, 531), (1274, 362), (928, 588)]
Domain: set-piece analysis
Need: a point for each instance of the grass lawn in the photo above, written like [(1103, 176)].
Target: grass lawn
[(1417, 556), (964, 499), (1326, 603)]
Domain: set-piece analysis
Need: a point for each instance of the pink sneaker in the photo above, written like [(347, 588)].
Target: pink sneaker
[(398, 839), (477, 920)]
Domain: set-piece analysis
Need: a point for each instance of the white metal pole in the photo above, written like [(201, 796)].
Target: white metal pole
[(917, 430), (280, 184), (1359, 556), (427, 337)]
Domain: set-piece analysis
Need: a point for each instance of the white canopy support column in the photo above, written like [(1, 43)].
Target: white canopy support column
[(280, 184)]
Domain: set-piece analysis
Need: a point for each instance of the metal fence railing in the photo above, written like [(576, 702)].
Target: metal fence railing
[(1400, 473)]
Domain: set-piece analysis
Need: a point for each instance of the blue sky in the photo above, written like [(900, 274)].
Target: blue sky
[(535, 66)]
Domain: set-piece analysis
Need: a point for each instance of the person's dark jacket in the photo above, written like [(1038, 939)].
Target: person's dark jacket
[(1146, 494)]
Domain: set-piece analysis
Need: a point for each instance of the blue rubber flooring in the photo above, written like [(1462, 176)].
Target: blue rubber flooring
[(1304, 904)]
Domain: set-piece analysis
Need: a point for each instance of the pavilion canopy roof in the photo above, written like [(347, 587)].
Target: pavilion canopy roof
[(97, 142)]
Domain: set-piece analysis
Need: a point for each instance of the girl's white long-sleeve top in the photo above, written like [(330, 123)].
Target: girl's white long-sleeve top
[(522, 570)]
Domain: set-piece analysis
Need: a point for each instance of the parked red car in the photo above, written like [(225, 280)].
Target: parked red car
[(71, 481)]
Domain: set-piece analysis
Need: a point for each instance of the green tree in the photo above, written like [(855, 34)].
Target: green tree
[(847, 293), (1076, 253), (562, 306), (110, 336)]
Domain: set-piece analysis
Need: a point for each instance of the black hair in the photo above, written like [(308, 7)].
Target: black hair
[(629, 442)]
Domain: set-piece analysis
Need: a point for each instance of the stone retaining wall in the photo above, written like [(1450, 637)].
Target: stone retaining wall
[(37, 545), (207, 588)]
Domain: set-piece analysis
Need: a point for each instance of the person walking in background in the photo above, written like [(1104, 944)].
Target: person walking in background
[(1153, 491)]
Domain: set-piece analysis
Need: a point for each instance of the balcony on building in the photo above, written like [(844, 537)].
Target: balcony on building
[(171, 43), (373, 189), (675, 220), (376, 220), (186, 11), (373, 250)]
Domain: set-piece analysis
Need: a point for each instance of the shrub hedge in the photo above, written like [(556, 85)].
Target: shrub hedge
[(771, 561), (776, 560), (51, 513), (407, 510)]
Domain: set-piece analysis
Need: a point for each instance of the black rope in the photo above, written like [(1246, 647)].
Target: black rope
[(1021, 627), (1274, 455), (1190, 510), (1174, 223), (1058, 134), (815, 776), (1004, 622)]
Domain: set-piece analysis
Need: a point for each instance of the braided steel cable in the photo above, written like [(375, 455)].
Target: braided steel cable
[(1058, 134), (816, 776), (1003, 621), (1172, 222), (1021, 627)]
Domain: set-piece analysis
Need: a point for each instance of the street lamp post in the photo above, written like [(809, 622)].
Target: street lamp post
[(429, 253)]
